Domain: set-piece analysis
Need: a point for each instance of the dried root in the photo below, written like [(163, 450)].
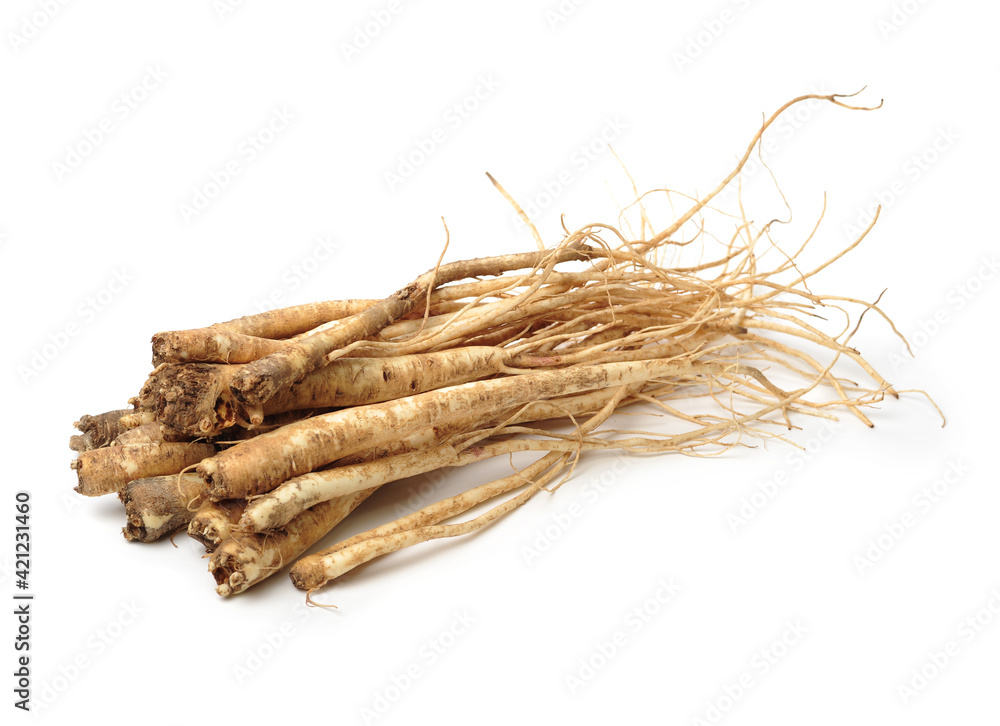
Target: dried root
[(109, 469), (291, 418), (157, 506)]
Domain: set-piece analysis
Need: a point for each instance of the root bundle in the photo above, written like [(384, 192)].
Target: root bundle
[(261, 434)]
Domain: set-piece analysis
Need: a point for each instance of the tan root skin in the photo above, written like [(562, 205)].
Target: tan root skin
[(260, 380), (360, 381), (259, 465), (210, 346), (97, 431), (247, 563), (157, 506), (454, 368), (154, 432), (244, 559), (214, 522), (108, 470), (248, 338), (192, 398), (316, 570), (195, 398), (280, 505)]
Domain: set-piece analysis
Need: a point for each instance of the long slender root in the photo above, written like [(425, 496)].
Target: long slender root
[(259, 465), (260, 380)]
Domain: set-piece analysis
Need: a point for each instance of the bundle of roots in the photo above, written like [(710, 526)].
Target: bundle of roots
[(261, 434)]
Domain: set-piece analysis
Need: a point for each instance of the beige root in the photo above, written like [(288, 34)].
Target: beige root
[(97, 431), (245, 559), (214, 522), (316, 570), (248, 338), (259, 465), (150, 433), (195, 398), (294, 496), (109, 469), (261, 379), (712, 345), (225, 343), (156, 506)]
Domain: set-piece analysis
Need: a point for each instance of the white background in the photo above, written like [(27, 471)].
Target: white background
[(685, 84)]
